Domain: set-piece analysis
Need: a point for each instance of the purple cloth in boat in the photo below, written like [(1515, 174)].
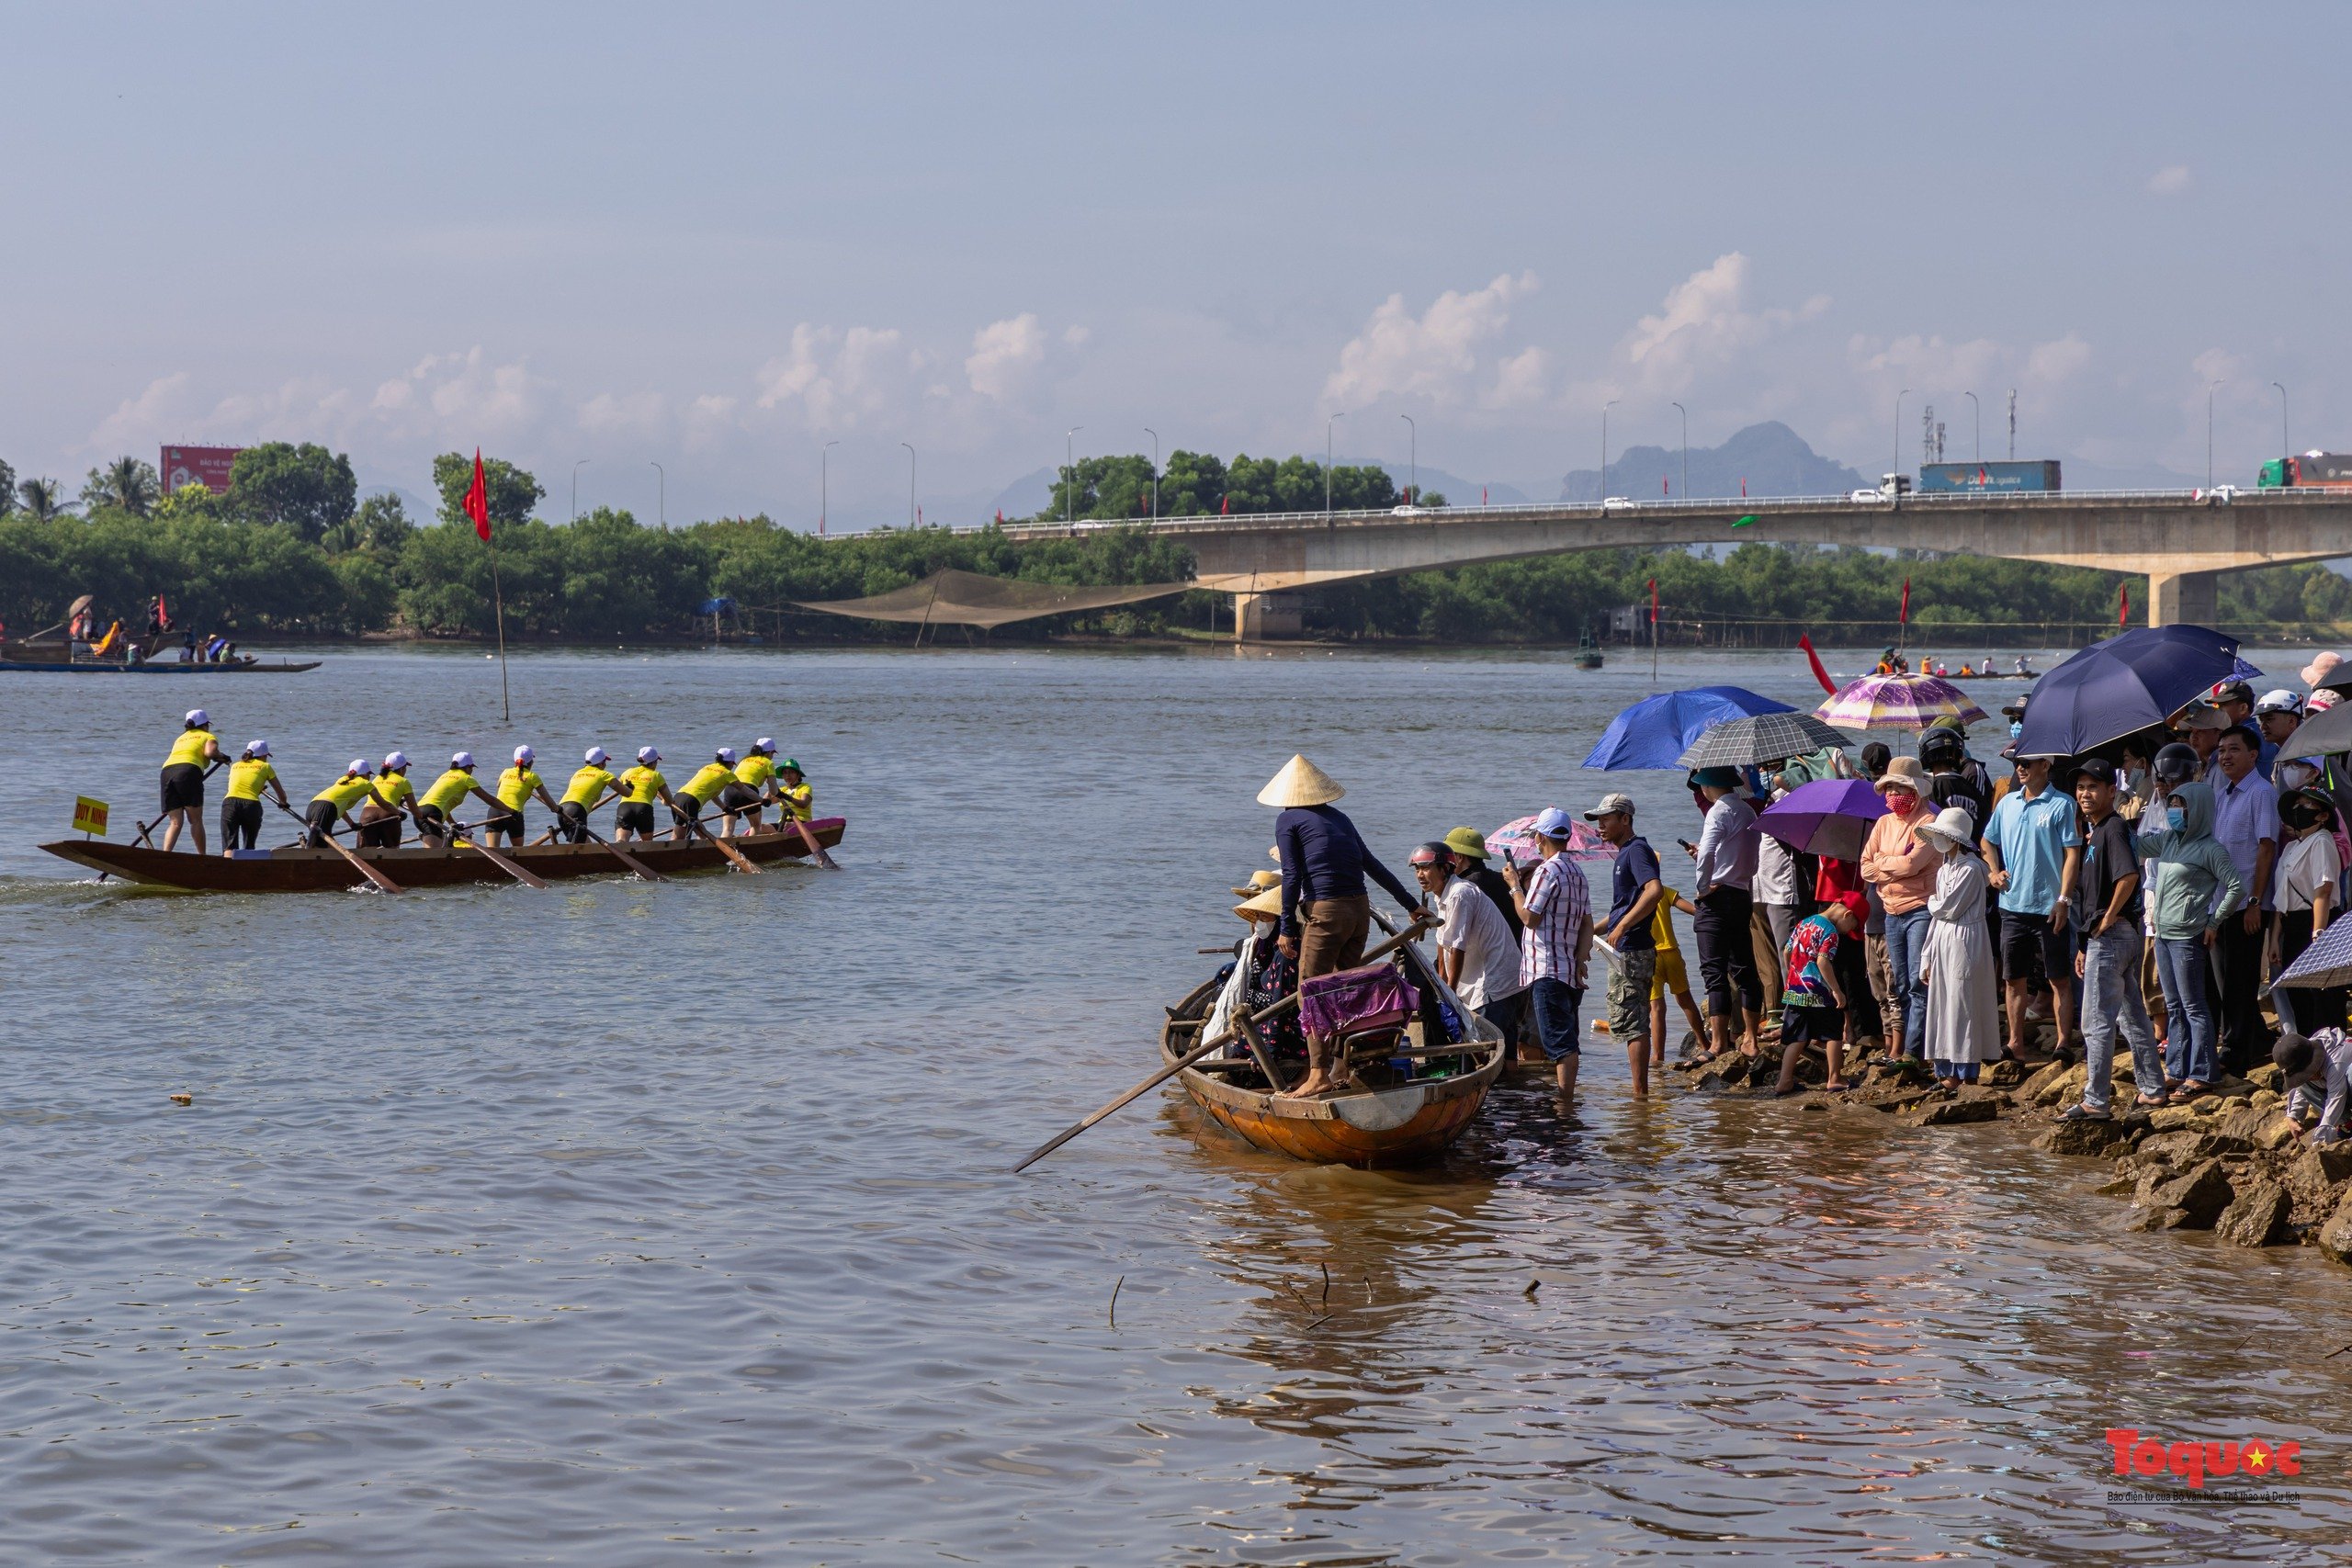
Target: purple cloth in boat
[(1347, 999)]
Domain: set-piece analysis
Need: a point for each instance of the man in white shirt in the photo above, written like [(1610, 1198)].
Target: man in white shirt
[(1475, 954), (1724, 860), (2318, 1076)]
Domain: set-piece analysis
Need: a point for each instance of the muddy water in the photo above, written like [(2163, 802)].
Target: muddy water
[(640, 1224)]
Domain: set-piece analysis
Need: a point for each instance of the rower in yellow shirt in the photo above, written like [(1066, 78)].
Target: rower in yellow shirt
[(517, 786), (436, 807), (754, 778), (339, 799), (589, 788), (196, 750), (240, 809), (633, 817), (700, 790), (793, 790), (380, 819)]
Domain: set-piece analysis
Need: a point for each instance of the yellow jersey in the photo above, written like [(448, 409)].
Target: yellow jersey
[(644, 785), (448, 789), (247, 776), (393, 788), (1662, 926), (706, 782), (515, 788), (756, 770), (190, 747), (799, 799), (587, 784), (347, 793)]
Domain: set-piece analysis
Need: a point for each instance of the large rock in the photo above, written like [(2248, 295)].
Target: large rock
[(2264, 1099), (2334, 1237), (2270, 1075), (2202, 1192), (2043, 1081), (2065, 1087), (2277, 1134), (2171, 1118), (1951, 1112), (2326, 1164), (2083, 1137), (2246, 1124), (2003, 1074), (2256, 1216), (2158, 1219)]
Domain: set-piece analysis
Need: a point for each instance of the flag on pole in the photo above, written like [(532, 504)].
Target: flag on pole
[(2124, 608), (1224, 505), (478, 499), (1653, 600), (1814, 658), (999, 515), (1743, 489), (1482, 495), (1664, 488), (1903, 615)]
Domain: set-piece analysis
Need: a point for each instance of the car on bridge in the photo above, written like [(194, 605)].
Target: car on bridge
[(1618, 504)]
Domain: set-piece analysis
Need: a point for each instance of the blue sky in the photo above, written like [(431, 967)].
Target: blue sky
[(717, 236)]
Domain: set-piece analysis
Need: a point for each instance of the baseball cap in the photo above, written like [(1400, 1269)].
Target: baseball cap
[(1554, 823), (1612, 804)]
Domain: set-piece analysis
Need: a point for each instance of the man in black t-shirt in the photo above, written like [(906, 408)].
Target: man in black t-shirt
[(2107, 912), (1635, 885)]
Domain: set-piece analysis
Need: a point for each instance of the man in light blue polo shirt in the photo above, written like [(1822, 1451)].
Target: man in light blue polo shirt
[(2035, 849)]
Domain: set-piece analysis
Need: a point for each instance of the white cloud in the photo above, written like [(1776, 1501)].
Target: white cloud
[(1435, 354), (1704, 324), (1006, 358), (2057, 361), (460, 397), (628, 413), (1518, 380), (838, 378), (2169, 181)]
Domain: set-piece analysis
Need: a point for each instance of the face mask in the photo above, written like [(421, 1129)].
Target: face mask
[(2137, 776), (2177, 819), (2294, 775), (2017, 728)]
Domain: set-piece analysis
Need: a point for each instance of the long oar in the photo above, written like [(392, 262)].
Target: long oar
[(809, 839), (369, 872), (742, 862), (518, 871), (1262, 1015), (626, 858)]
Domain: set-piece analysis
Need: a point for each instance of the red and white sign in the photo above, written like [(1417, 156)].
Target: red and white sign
[(206, 465)]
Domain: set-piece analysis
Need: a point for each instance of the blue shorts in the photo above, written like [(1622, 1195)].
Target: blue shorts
[(1553, 1005)]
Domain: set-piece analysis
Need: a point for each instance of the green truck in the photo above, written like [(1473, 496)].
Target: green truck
[(2312, 470)]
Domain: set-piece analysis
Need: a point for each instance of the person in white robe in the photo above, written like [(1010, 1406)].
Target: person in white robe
[(1963, 1027)]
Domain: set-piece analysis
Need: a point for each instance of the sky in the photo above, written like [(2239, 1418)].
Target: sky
[(717, 237)]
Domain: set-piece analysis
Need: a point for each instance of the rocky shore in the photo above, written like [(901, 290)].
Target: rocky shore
[(2231, 1162)]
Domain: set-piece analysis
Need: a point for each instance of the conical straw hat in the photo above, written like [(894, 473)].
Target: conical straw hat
[(1300, 783), (1266, 906)]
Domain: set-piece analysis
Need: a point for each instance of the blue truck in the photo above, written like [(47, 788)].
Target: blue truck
[(1950, 478)]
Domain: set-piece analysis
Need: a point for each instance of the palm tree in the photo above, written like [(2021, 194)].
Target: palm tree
[(126, 484), (39, 498)]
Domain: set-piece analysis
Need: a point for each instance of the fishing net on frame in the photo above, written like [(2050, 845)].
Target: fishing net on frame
[(951, 598)]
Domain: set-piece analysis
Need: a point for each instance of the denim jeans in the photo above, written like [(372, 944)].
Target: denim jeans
[(1907, 945), (2189, 1009), (2111, 1001)]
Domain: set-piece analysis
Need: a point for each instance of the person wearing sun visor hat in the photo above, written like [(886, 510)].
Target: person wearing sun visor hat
[(193, 754), (436, 807), (517, 787), (633, 817), (339, 799), (592, 784)]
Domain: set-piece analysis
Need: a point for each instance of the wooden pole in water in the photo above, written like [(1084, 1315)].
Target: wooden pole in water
[(498, 602)]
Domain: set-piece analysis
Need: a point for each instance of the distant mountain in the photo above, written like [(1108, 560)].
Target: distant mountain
[(418, 509), (1768, 460)]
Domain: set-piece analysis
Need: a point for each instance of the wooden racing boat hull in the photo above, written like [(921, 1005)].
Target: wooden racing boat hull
[(1400, 1124), (101, 667), (298, 870)]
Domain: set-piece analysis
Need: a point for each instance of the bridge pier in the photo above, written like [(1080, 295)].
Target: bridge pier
[(1259, 616), (2183, 598)]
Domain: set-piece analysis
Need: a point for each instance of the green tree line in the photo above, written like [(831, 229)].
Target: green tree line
[(289, 548)]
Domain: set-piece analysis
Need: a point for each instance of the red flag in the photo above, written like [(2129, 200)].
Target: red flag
[(1743, 489), (2123, 610), (1664, 488), (1814, 658), (1482, 495), (1000, 514), (1653, 600), (1224, 505), (162, 614), (478, 499), (1903, 615)]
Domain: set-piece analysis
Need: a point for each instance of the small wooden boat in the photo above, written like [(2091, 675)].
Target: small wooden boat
[(1392, 1120), (247, 665), (294, 869), (1588, 653)]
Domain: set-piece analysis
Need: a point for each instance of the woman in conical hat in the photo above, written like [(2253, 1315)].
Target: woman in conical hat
[(1326, 913)]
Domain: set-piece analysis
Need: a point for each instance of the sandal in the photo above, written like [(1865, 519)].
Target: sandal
[(1835, 1086), (2152, 1101), (2084, 1114)]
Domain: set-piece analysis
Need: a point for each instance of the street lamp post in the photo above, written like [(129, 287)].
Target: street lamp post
[(1413, 461), (2210, 388), (910, 481), (824, 484), (663, 503), (1604, 447), (1155, 471), (575, 490), (1069, 494), (1686, 456), (1977, 410), (2286, 447), (1898, 430), (1326, 465)]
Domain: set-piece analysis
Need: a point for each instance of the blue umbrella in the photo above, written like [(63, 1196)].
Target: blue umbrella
[(2326, 962), (2124, 684), (1656, 731)]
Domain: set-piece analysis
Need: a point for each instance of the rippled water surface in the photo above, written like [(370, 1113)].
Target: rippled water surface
[(627, 1225)]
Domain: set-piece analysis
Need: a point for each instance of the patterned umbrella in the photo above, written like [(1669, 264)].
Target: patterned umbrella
[(1654, 731), (1827, 817), (1765, 738), (1517, 839), (1898, 702), (2326, 962)]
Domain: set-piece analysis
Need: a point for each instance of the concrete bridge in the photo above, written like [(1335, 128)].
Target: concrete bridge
[(2180, 539)]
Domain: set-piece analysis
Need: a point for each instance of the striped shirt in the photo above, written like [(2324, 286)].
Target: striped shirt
[(1558, 904)]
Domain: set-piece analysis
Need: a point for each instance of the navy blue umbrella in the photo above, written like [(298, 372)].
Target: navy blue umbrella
[(1656, 731), (2127, 683)]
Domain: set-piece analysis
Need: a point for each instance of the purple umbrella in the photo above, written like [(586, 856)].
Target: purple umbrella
[(1827, 817)]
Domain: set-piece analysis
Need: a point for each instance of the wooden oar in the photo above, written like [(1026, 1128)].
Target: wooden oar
[(1262, 1015), (519, 872), (369, 872), (626, 858), (807, 837), (742, 862)]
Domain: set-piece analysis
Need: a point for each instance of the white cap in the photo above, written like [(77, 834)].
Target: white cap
[(597, 756), (726, 755), (199, 717), (396, 758), (647, 755), (361, 766), (2279, 701), (523, 754), (764, 743), (461, 759), (257, 749)]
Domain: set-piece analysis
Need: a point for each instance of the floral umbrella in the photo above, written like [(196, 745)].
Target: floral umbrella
[(1898, 702), (1517, 839)]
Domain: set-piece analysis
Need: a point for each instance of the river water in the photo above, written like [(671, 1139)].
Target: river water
[(625, 1225)]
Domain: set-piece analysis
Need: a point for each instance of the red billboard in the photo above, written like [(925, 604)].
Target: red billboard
[(206, 465)]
